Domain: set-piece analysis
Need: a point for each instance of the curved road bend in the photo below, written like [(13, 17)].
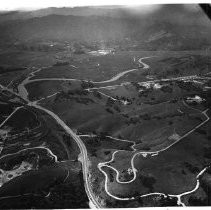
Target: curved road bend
[(23, 93), (69, 131), (179, 202), (82, 148), (31, 148), (145, 66)]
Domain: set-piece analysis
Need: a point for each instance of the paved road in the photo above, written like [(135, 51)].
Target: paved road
[(24, 95), (82, 149), (121, 74), (14, 111), (104, 164)]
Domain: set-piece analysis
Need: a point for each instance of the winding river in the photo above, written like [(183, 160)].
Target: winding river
[(83, 157)]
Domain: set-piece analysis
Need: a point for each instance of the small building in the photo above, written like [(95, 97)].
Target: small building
[(195, 99)]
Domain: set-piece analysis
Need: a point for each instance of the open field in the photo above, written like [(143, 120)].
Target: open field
[(19, 58), (100, 68), (170, 169), (28, 128), (105, 106), (48, 187), (153, 119), (128, 123), (35, 148)]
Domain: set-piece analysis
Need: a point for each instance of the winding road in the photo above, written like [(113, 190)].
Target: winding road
[(121, 74), (82, 147), (23, 93), (104, 164), (152, 153)]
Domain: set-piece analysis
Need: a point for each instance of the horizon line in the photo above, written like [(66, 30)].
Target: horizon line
[(27, 5)]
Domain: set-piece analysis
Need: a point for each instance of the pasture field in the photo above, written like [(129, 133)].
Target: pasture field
[(147, 119), (177, 166), (142, 134), (101, 68), (51, 184)]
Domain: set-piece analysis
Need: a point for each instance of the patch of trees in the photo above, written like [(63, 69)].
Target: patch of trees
[(145, 93), (96, 94), (160, 75), (117, 108), (123, 98), (188, 86), (133, 120), (166, 89), (79, 92), (110, 102), (173, 100), (201, 131), (102, 134), (194, 201), (40, 47), (61, 63), (145, 117), (136, 85), (10, 163), (10, 69), (169, 201), (207, 152), (207, 96), (170, 122), (125, 115), (107, 152), (69, 96), (78, 48), (205, 184), (109, 110), (86, 84), (145, 148), (147, 181), (191, 168), (84, 100), (95, 141), (125, 176)]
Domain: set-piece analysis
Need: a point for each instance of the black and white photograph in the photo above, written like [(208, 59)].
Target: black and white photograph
[(105, 104)]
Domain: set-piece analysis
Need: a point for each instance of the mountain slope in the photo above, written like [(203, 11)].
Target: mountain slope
[(171, 27)]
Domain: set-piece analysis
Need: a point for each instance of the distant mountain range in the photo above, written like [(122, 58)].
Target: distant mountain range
[(171, 27), (76, 11)]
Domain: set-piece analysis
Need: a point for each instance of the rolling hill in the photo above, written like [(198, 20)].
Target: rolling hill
[(172, 27)]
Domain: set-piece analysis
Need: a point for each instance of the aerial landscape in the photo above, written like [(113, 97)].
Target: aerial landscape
[(105, 107)]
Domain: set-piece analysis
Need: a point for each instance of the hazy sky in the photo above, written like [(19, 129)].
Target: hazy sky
[(35, 4)]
